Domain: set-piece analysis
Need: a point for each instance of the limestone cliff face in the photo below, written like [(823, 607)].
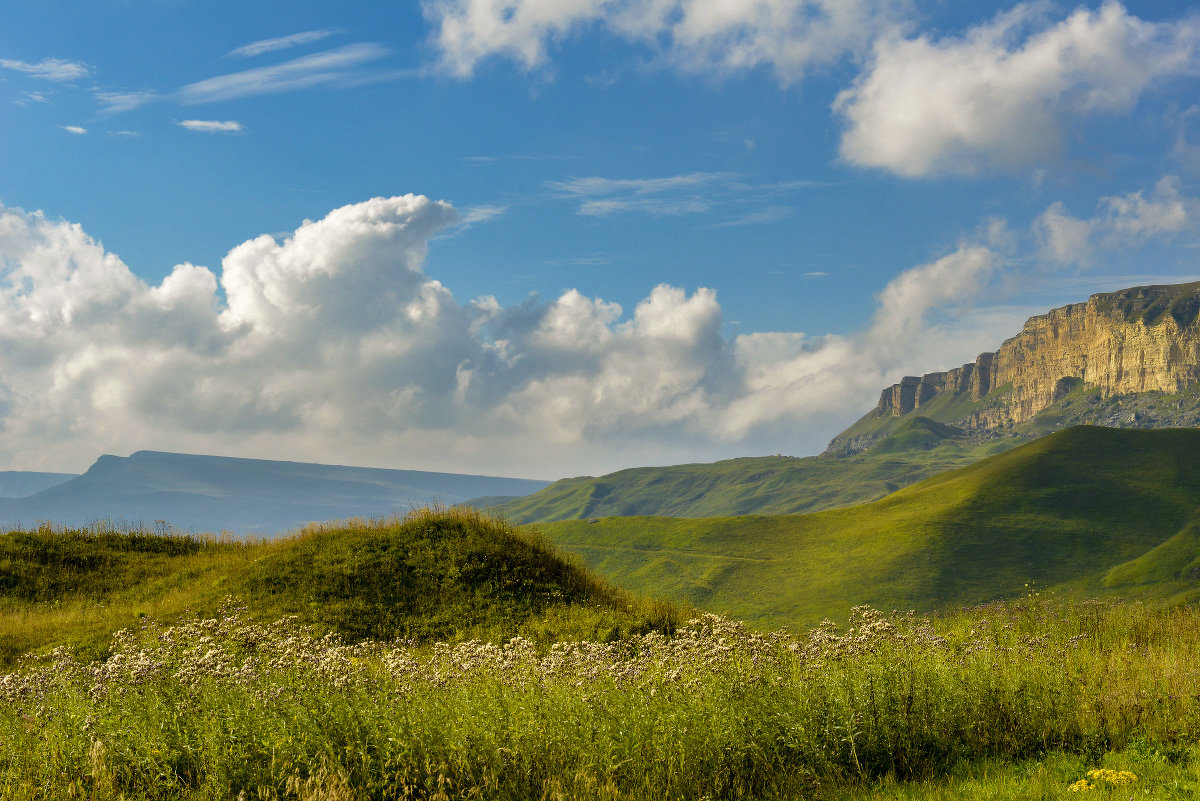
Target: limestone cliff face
[(1136, 340)]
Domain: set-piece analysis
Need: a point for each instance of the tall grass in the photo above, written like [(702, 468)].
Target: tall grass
[(227, 708)]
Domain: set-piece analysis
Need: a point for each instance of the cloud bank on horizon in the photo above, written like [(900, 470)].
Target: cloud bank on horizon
[(335, 340)]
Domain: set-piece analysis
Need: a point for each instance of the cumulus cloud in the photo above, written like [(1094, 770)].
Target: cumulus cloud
[(75, 129), (787, 36), (1121, 222), (1001, 95), (212, 126), (333, 343), (49, 69)]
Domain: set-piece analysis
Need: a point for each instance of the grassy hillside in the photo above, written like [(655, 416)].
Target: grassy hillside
[(874, 457), (1062, 513), (757, 485), (445, 575)]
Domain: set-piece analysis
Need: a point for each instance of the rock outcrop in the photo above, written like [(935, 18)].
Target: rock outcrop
[(1136, 340)]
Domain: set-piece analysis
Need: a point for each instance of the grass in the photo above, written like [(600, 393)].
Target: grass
[(446, 574), (1017, 700), (1084, 512)]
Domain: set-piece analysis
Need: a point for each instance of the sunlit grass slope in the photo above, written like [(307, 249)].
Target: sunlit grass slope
[(1087, 511), (757, 485), (445, 575)]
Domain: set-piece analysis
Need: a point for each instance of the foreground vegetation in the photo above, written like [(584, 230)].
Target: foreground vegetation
[(1028, 694), (1089, 512), (435, 574)]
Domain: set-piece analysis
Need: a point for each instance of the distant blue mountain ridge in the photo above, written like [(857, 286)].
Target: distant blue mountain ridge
[(240, 496)]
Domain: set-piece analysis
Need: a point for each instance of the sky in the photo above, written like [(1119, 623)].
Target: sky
[(557, 237)]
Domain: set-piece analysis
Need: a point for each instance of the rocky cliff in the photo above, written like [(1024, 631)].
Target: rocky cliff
[(1137, 340)]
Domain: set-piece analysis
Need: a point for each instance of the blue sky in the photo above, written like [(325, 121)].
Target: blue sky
[(669, 229)]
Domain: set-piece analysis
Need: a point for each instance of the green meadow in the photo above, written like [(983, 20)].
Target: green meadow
[(1086, 512)]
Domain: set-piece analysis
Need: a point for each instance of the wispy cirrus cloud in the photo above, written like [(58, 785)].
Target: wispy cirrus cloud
[(281, 43), (341, 66), (595, 185), (115, 102), (49, 69), (212, 126), (669, 196), (744, 202), (763, 216), (481, 214), (75, 129)]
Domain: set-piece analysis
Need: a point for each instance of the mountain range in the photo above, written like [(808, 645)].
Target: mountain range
[(240, 496)]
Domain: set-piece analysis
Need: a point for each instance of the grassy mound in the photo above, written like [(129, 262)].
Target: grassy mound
[(1058, 513), (434, 574)]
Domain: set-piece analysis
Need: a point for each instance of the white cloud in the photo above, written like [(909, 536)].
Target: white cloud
[(339, 67), (481, 214), (763, 216), (1064, 239), (280, 43), (117, 102), (1166, 211), (212, 126), (787, 36), (1120, 223), (669, 196), (75, 129), (50, 69), (655, 207), (592, 186), (333, 343), (1001, 95)]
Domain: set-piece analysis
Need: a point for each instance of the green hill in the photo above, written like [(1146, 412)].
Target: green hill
[(444, 575), (1086, 512), (757, 485)]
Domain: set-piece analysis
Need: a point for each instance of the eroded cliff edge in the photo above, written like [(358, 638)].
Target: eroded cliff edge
[(1138, 340)]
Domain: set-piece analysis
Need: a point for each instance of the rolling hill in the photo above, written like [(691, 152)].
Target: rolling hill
[(446, 574), (758, 485), (1086, 512), (241, 496)]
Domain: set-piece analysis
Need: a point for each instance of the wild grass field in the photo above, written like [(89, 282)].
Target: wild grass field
[(449, 655), (1030, 699)]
